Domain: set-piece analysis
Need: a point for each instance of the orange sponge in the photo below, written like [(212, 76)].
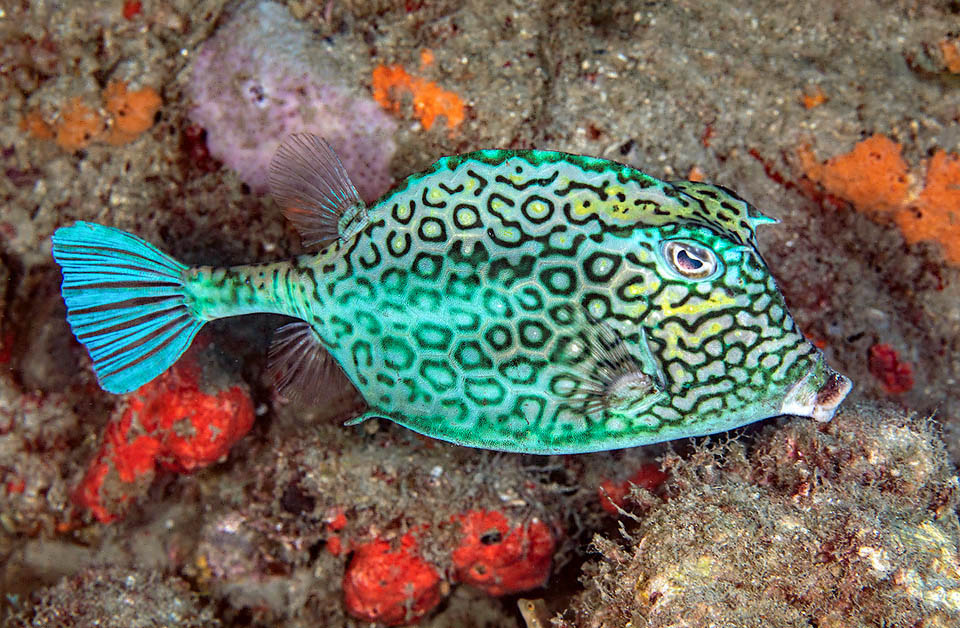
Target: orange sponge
[(128, 114), (935, 215), (132, 112), (390, 82), (873, 176), (950, 49), (78, 126), (813, 97), (876, 180), (34, 125)]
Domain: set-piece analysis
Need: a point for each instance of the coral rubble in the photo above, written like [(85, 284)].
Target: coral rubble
[(112, 597), (852, 522), (380, 527)]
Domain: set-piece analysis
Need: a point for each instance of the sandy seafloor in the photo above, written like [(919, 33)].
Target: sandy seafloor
[(864, 508)]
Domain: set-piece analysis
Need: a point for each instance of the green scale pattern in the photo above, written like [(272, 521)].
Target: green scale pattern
[(459, 308)]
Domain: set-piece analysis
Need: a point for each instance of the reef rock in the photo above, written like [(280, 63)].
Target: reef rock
[(849, 523)]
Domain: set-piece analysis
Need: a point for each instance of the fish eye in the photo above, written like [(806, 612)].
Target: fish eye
[(693, 261)]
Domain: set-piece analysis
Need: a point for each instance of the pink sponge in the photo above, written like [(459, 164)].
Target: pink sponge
[(262, 76)]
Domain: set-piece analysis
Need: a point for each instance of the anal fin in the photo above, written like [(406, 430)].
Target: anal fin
[(309, 182), (299, 365)]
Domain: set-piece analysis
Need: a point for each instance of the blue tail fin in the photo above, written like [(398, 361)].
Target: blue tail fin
[(125, 302)]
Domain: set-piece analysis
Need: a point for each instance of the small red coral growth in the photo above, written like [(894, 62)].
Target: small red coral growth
[(885, 364), (334, 545), (131, 8), (6, 347), (612, 495), (195, 147), (173, 421), (336, 519), (393, 587), (15, 486), (499, 560), (120, 471)]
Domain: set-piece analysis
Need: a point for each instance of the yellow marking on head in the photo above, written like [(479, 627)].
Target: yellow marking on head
[(715, 302), (636, 311), (605, 209), (435, 194), (537, 209), (580, 210), (624, 212)]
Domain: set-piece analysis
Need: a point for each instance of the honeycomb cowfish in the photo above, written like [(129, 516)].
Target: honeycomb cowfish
[(516, 300)]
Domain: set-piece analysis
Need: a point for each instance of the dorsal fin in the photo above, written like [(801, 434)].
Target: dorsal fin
[(299, 365), (311, 185)]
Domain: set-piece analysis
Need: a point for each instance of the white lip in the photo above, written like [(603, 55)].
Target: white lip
[(819, 403)]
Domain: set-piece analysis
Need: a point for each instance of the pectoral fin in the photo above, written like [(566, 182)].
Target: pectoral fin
[(606, 373)]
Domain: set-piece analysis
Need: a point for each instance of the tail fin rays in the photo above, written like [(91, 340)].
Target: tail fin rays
[(125, 302)]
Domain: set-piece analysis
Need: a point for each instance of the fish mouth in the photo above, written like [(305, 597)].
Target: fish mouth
[(818, 394)]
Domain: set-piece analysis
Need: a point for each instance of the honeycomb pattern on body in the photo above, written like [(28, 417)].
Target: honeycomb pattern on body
[(450, 311)]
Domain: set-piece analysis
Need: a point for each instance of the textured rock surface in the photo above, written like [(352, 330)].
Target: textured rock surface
[(726, 89), (116, 598), (852, 524)]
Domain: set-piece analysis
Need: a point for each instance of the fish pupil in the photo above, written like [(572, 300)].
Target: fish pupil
[(685, 261)]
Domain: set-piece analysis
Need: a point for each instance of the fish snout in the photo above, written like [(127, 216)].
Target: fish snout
[(818, 394)]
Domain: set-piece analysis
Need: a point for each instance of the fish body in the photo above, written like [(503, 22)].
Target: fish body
[(527, 301)]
